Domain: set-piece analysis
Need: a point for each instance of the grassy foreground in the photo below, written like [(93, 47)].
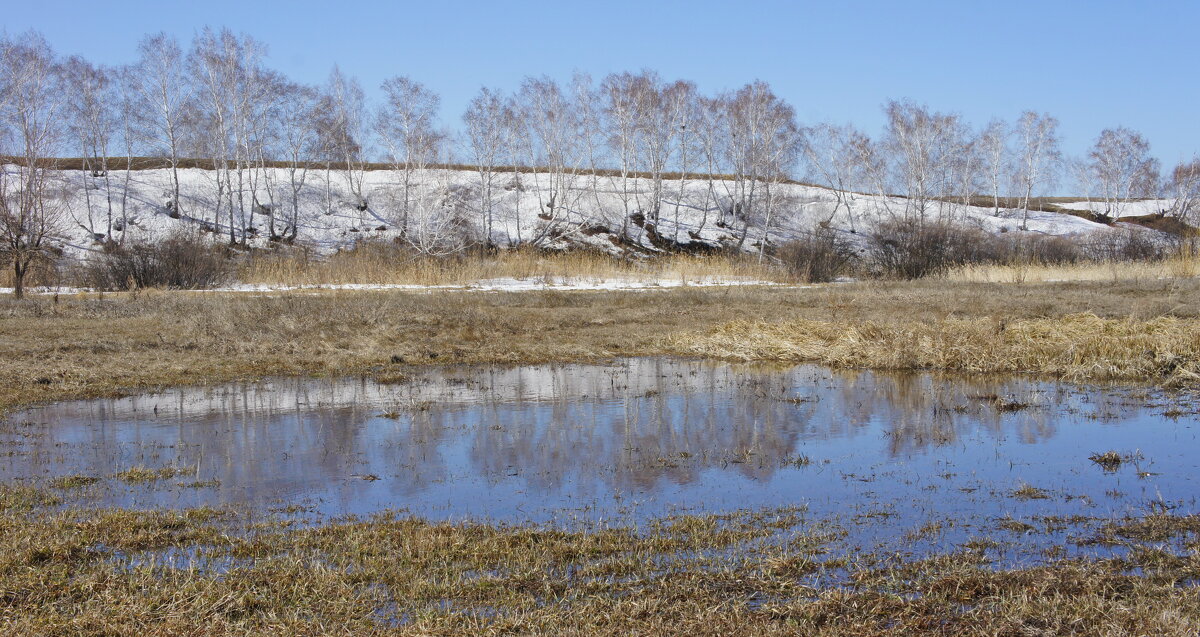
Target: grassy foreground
[(92, 345), (119, 572)]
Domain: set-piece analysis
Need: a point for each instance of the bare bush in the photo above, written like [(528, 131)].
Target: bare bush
[(179, 262), (1035, 249), (1122, 244), (822, 255), (914, 250)]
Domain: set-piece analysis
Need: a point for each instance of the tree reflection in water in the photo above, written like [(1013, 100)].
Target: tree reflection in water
[(491, 440)]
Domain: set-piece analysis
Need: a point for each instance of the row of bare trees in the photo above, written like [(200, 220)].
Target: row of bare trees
[(936, 160), (218, 103)]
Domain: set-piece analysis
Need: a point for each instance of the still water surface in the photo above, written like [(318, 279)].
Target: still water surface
[(628, 441)]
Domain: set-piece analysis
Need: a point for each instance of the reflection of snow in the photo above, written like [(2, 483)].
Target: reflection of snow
[(426, 386), (629, 440), (634, 421)]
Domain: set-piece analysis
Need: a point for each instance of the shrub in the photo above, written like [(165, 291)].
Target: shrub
[(1036, 249), (46, 270), (914, 250), (180, 261), (1123, 244), (822, 255)]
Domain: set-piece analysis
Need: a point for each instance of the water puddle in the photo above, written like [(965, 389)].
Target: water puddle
[(935, 461)]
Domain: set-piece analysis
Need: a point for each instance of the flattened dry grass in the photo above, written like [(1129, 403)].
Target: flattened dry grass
[(1074, 347)]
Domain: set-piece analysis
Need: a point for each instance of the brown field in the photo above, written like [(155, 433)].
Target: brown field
[(56, 347)]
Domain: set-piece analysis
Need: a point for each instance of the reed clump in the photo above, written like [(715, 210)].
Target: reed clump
[(386, 264), (1171, 268)]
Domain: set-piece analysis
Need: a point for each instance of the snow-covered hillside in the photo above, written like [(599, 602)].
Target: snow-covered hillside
[(1129, 209), (444, 209)]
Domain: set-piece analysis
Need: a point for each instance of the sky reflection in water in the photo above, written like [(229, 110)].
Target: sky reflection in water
[(627, 441)]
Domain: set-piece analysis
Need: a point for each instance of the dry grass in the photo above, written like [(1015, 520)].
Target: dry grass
[(73, 482), (92, 345), (382, 264), (1075, 347), (1172, 268), (139, 474), (386, 264), (109, 572)]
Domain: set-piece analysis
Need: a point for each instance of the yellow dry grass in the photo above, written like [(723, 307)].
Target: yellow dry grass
[(1180, 267), (381, 265), (1073, 347)]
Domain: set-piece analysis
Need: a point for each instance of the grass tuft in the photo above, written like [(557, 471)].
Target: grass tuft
[(139, 475), (1029, 492), (1109, 460), (73, 482)]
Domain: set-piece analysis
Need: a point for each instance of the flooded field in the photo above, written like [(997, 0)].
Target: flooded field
[(934, 461)]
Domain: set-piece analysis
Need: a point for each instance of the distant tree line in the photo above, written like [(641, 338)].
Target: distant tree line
[(217, 101)]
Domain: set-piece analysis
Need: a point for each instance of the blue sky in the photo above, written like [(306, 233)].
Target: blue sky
[(1091, 64)]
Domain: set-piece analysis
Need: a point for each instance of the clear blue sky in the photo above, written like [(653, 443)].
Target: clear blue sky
[(1091, 64)]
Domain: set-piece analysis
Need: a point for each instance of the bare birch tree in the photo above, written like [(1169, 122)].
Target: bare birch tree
[(344, 134), (227, 68), (406, 124), (661, 125), (1183, 188), (993, 146), (625, 100), (924, 147), (31, 197), (163, 95), (132, 134), (299, 140), (712, 135), (1123, 169), (763, 146), (682, 100), (486, 121), (551, 123), (212, 61), (91, 114), (833, 161), (1038, 157)]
